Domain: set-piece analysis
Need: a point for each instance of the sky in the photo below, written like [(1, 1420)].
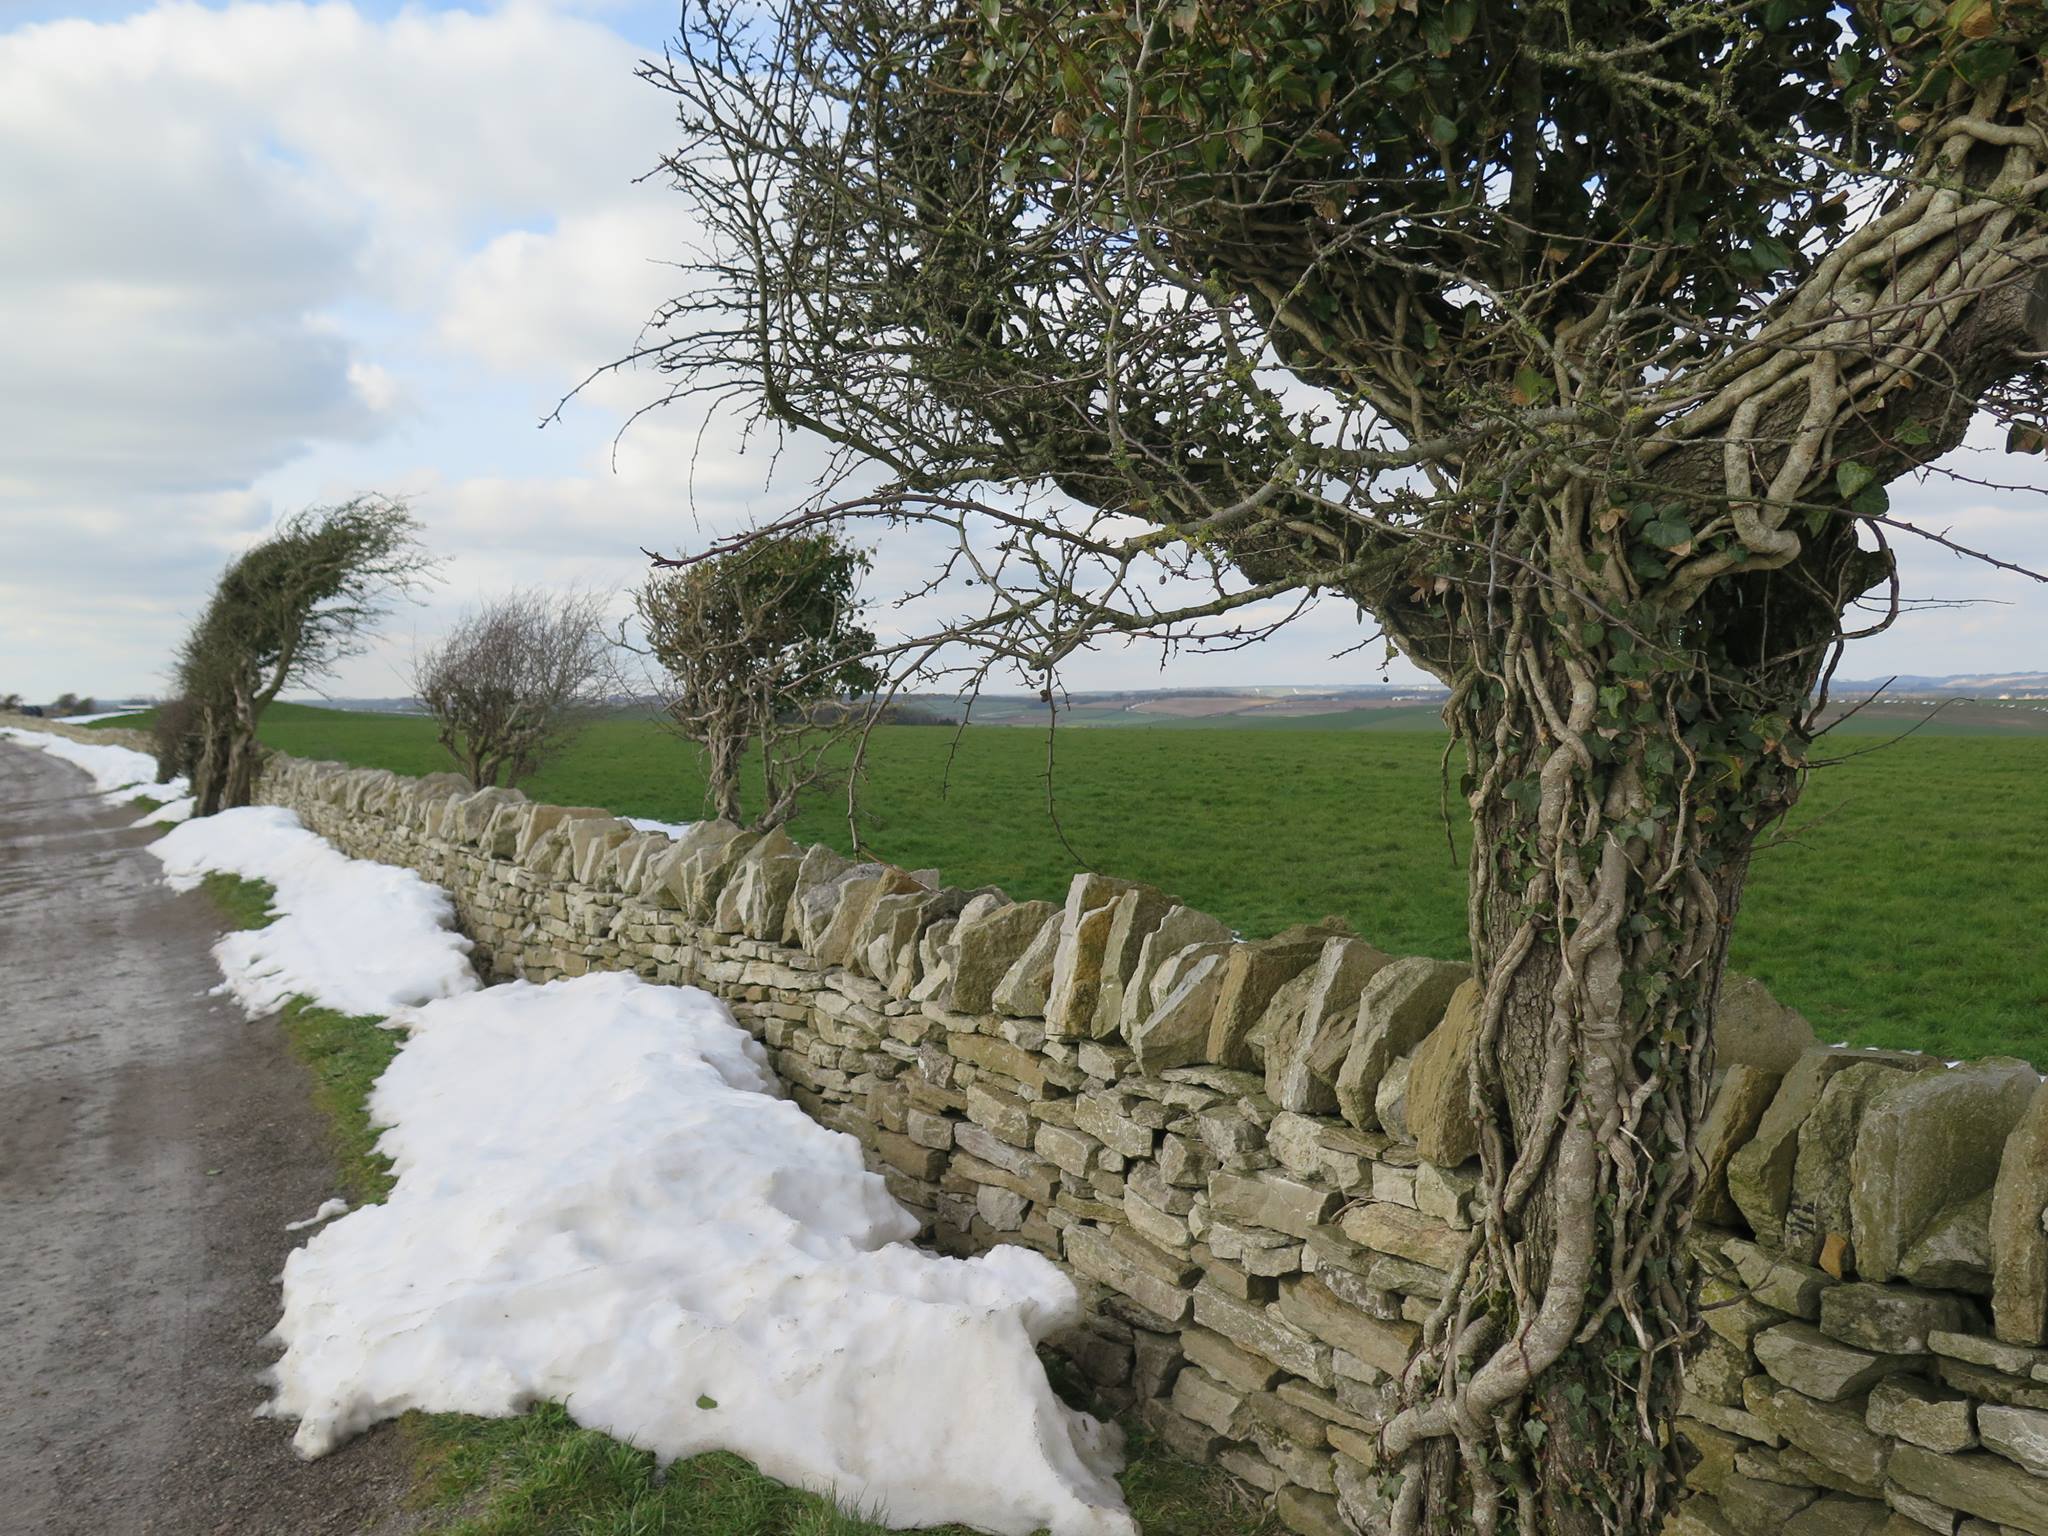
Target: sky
[(264, 256)]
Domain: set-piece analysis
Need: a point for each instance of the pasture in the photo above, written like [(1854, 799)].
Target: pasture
[(1903, 905)]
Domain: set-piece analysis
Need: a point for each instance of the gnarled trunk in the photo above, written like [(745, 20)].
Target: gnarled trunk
[(1613, 819)]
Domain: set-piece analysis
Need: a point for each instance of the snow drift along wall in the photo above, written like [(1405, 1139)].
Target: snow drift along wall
[(1254, 1160)]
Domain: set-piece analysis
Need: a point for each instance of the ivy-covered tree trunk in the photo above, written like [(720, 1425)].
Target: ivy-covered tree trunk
[(1615, 802), (722, 757)]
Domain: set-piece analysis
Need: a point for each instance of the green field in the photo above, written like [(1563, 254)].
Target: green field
[(1904, 905)]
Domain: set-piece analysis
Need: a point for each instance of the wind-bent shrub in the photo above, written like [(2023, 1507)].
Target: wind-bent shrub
[(285, 612)]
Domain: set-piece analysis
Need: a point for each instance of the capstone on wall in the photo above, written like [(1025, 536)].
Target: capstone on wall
[(1255, 1160)]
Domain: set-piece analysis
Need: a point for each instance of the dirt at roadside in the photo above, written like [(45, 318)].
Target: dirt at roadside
[(153, 1144)]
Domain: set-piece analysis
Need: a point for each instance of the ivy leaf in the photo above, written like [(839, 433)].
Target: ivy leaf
[(707, 1402), (1982, 63), (1851, 477), (1531, 386), (1872, 502), (1669, 532), (1442, 131), (1973, 18), (2025, 437)]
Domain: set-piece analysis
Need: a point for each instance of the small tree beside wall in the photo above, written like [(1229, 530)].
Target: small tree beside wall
[(515, 681), (763, 647)]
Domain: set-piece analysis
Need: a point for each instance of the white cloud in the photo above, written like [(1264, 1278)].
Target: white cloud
[(274, 254)]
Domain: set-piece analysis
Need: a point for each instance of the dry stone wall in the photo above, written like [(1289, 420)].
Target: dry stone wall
[(1254, 1157)]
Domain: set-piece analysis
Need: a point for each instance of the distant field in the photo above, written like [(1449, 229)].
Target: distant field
[(1907, 903)]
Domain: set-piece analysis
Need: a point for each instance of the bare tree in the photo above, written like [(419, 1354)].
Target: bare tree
[(287, 611), (764, 648), (515, 681), (1577, 344)]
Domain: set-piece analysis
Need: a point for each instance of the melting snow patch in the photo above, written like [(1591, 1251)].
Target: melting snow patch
[(603, 1201), (674, 829), (121, 773), (327, 1211), (352, 935)]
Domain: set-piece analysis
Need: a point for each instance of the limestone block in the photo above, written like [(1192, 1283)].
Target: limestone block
[(1253, 1329), (1092, 910), (1978, 1349), (1760, 1174), (1308, 1513), (1309, 1304), (1002, 1209), (1110, 1118), (1922, 1413), (1138, 913), (1390, 1100), (711, 850), (1400, 1005), (1712, 1451), (1025, 987), (1926, 1142), (1890, 1319), (1992, 1385), (1446, 1193), (1227, 1363), (1208, 1401), (1835, 1514), (811, 902), (1252, 975), (847, 931), (1834, 1434), (985, 944), (1271, 1200), (1176, 1031), (1753, 1507), (1438, 1099), (1798, 1355), (1818, 1207), (1716, 1371), (1302, 1068), (2019, 1245), (1155, 1223), (1131, 993), (1911, 1515), (1752, 1028), (2017, 1434), (1954, 1253), (1154, 1279), (1406, 1234), (1978, 1483), (590, 839), (758, 886), (1732, 1312)]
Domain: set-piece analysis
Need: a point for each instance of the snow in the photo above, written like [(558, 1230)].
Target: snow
[(327, 1210), (120, 773), (602, 1200), (675, 829), (356, 936)]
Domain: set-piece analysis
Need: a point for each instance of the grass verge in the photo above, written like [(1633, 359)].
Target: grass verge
[(1902, 906), (542, 1474)]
